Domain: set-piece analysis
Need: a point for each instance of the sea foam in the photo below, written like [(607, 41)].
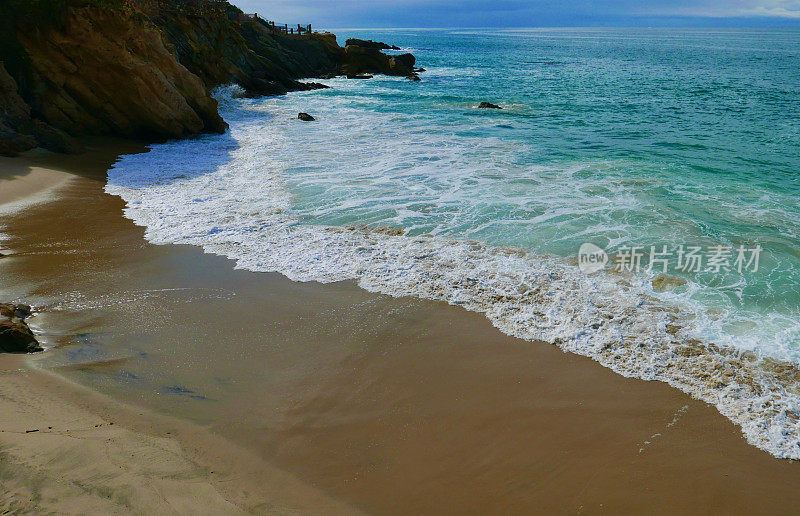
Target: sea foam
[(227, 195)]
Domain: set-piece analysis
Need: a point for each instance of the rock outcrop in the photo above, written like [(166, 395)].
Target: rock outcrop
[(262, 61), (18, 131), (488, 105), (363, 60), (108, 72), (15, 335), (368, 43), (144, 68)]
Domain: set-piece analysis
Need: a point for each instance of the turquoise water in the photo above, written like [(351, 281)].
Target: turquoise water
[(611, 136), (614, 137)]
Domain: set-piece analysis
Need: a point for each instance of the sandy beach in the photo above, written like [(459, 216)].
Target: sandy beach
[(66, 449), (236, 391)]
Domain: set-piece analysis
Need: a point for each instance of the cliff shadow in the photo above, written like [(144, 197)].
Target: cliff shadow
[(172, 161)]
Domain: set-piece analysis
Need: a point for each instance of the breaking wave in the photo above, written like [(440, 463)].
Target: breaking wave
[(227, 194)]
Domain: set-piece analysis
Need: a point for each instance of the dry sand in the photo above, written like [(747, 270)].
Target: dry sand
[(392, 406), (65, 450), (23, 185)]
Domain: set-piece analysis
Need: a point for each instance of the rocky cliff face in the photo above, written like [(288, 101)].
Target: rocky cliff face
[(99, 72), (108, 72), (14, 113), (360, 60), (144, 68), (222, 51)]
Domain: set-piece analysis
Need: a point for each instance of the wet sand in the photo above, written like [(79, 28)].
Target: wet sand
[(388, 405), (67, 450)]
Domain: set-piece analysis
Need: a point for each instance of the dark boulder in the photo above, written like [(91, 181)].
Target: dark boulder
[(488, 105), (413, 77), (23, 311), (360, 60), (407, 60), (402, 64), (359, 76), (18, 131), (305, 117), (314, 86), (15, 335)]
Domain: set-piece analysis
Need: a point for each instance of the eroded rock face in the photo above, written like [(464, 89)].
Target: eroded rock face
[(146, 72), (221, 51), (108, 72), (18, 131), (15, 335)]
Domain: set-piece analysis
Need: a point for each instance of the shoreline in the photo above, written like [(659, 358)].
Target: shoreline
[(618, 320), (356, 368), (64, 447)]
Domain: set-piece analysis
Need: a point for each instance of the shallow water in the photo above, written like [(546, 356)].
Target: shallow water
[(615, 137)]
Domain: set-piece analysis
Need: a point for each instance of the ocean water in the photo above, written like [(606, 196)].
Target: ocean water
[(675, 139)]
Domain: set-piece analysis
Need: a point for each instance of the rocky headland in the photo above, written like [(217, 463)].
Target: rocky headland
[(144, 69)]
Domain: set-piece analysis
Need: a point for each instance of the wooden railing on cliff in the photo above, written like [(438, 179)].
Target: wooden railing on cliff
[(283, 28), (216, 8)]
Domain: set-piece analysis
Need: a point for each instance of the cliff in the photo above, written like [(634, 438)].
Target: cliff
[(144, 68), (223, 51)]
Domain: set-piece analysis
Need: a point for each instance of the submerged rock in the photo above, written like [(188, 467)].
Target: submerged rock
[(359, 76), (15, 335), (305, 117), (413, 77), (488, 105), (664, 282), (308, 86)]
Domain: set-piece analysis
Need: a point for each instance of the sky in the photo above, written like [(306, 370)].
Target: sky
[(526, 13)]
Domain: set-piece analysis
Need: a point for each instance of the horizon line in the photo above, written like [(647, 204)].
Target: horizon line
[(539, 27)]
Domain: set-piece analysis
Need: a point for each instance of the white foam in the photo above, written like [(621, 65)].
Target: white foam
[(227, 196)]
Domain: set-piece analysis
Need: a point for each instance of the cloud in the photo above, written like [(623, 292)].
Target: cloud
[(510, 13), (734, 9)]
